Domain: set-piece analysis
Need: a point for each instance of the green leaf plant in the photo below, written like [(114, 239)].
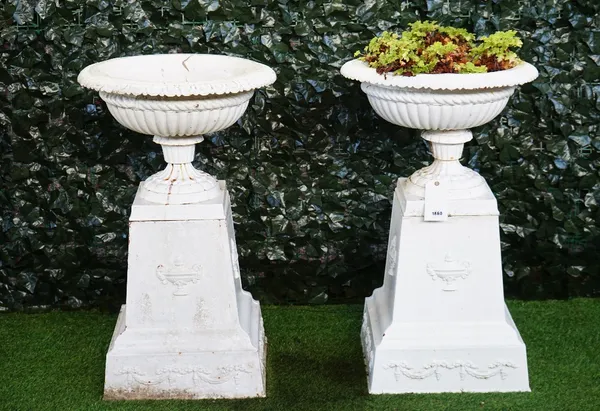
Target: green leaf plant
[(428, 48)]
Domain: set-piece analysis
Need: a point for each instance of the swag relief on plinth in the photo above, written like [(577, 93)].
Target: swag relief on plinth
[(465, 368), (199, 375)]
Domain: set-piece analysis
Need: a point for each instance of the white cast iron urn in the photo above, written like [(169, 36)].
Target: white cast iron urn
[(177, 98), (439, 322), (188, 329), (445, 106)]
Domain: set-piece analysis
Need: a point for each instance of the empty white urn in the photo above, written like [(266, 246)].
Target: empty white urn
[(177, 98), (439, 322), (188, 329)]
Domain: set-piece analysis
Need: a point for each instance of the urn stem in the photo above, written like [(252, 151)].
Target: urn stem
[(446, 149), (179, 182)]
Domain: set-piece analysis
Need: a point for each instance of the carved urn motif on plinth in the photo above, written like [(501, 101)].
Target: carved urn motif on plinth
[(188, 329), (439, 322)]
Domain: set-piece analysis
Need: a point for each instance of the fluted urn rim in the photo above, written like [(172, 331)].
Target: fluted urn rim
[(360, 71), (176, 75)]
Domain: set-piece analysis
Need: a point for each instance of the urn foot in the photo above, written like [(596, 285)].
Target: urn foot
[(461, 182), (179, 182)]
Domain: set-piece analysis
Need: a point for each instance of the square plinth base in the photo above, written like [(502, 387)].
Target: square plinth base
[(131, 375), (428, 364), (188, 330), (439, 322)]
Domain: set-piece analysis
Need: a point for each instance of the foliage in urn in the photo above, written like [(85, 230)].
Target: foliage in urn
[(495, 51), (429, 48)]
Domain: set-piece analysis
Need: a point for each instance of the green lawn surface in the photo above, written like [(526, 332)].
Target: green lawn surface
[(55, 361)]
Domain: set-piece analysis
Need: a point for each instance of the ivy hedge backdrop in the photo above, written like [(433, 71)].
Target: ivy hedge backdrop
[(310, 167)]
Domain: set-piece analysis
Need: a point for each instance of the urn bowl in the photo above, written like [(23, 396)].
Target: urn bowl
[(177, 98), (445, 107), (439, 101), (176, 95)]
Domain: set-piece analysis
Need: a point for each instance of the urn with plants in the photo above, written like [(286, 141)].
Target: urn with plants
[(441, 304), (443, 81)]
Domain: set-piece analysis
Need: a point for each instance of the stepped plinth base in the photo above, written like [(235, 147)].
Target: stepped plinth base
[(188, 330), (439, 322)]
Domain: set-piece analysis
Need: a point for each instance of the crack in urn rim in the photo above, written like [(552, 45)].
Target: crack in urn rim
[(198, 75)]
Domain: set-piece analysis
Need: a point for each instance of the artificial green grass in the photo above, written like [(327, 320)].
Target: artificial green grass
[(55, 361)]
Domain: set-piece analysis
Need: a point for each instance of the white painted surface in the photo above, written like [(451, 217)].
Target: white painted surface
[(458, 181), (446, 106), (188, 330), (521, 74), (439, 322), (176, 75), (177, 125), (177, 98)]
